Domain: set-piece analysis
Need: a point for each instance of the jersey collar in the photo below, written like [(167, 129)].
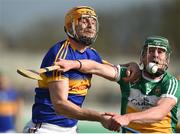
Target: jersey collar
[(150, 79)]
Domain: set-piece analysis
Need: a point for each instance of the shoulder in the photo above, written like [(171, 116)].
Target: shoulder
[(93, 50), (93, 55), (170, 86), (169, 79), (56, 47)]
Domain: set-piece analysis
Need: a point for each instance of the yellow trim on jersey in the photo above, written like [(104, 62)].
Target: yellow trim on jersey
[(92, 48), (152, 127), (8, 108), (56, 74), (60, 52), (56, 79), (79, 91), (44, 83), (62, 56), (79, 87)]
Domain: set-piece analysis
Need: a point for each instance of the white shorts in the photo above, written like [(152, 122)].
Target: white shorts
[(48, 128)]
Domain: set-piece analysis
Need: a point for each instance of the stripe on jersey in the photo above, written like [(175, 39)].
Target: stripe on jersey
[(61, 54), (172, 87), (79, 87), (176, 86)]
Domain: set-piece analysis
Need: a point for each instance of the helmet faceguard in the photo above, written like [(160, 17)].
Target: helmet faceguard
[(159, 66), (71, 20)]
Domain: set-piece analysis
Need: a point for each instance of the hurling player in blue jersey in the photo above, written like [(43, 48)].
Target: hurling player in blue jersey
[(59, 96), (9, 106)]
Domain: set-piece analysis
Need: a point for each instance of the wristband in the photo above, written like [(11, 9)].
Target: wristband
[(80, 64)]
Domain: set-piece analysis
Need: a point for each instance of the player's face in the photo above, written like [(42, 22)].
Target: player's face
[(86, 27), (156, 55)]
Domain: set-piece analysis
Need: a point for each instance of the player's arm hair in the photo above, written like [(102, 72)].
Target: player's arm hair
[(107, 71), (154, 114), (59, 96)]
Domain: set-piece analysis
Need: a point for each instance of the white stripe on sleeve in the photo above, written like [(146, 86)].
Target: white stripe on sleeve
[(118, 73)]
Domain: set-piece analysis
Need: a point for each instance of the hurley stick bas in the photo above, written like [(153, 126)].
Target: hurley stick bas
[(33, 74)]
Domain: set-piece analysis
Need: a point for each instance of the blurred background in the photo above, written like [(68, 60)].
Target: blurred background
[(28, 28)]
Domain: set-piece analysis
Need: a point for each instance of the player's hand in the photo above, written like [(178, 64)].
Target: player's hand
[(65, 65), (106, 122), (112, 125), (121, 120), (133, 72)]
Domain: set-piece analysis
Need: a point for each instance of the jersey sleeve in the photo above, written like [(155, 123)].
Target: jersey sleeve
[(177, 94), (171, 88), (121, 72)]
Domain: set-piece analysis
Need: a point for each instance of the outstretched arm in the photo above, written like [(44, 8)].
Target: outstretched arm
[(107, 71), (89, 66), (59, 97), (151, 115)]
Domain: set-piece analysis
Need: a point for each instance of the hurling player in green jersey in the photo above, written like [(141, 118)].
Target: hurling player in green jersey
[(149, 104)]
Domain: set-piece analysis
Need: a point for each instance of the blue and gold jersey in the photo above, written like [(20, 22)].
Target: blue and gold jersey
[(8, 108), (79, 83)]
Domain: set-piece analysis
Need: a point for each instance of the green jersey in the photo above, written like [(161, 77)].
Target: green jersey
[(145, 94)]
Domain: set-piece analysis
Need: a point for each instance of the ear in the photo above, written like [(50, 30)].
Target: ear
[(168, 58), (140, 63), (141, 58)]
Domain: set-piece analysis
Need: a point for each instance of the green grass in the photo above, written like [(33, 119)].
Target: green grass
[(91, 127)]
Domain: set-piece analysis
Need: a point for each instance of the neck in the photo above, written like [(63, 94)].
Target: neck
[(151, 76), (78, 46)]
